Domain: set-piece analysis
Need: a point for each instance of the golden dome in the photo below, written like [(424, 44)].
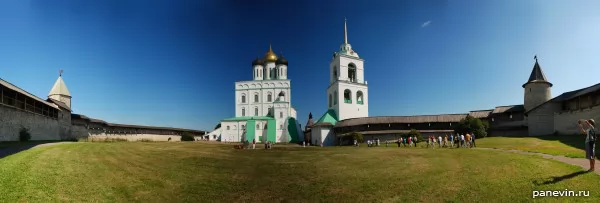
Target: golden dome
[(270, 56)]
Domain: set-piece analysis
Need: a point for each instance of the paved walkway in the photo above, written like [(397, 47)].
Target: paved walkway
[(584, 163)]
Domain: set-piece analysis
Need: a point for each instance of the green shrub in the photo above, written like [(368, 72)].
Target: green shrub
[(24, 135), (413, 133), (472, 125), (357, 136), (187, 137)]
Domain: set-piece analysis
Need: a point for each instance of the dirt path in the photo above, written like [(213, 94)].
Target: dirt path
[(581, 162)]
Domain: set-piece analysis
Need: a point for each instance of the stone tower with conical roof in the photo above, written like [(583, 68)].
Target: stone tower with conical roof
[(537, 88), (60, 92)]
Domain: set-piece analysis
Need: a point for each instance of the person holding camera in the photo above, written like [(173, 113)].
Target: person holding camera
[(587, 128)]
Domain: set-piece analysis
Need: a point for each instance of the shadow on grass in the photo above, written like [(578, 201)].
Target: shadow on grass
[(560, 178), (575, 141), (10, 148)]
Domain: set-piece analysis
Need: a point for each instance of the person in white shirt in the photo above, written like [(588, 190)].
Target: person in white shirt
[(415, 141), (378, 142), (462, 140), (440, 141)]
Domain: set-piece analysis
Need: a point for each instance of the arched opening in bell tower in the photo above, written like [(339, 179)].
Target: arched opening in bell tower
[(352, 72), (347, 96)]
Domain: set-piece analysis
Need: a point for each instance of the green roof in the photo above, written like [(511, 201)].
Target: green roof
[(328, 117), (245, 118)]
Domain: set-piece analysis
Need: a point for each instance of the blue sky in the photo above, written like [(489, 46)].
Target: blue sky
[(174, 63)]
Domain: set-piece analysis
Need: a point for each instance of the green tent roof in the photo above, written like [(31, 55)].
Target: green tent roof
[(245, 118), (328, 117)]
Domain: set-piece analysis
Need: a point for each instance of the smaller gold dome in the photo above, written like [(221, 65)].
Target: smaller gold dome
[(270, 55)]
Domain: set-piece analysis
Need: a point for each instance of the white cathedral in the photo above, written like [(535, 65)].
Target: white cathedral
[(263, 107), (347, 93)]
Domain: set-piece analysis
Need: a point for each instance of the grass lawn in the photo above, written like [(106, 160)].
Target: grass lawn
[(566, 145), (201, 172)]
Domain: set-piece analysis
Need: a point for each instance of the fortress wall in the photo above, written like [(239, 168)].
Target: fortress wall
[(540, 121), (134, 137), (566, 122), (40, 127)]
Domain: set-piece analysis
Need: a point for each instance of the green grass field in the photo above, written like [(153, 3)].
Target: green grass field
[(565, 145), (200, 172)]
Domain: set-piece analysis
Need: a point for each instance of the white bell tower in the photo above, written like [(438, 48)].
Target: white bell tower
[(347, 93)]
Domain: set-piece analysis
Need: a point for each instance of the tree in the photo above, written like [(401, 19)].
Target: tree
[(471, 125), (413, 133), (357, 136), (24, 135), (187, 137)]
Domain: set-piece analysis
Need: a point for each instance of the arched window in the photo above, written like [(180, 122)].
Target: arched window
[(359, 97), (265, 127), (335, 97), (227, 127), (330, 101), (271, 73), (335, 73), (282, 96), (269, 97), (347, 96), (280, 114), (243, 98), (257, 126), (243, 112), (255, 111), (256, 97), (352, 72)]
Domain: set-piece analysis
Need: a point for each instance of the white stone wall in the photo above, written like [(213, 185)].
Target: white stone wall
[(566, 122), (282, 74), (350, 110), (540, 121), (341, 82), (215, 134), (40, 127), (340, 63), (232, 131), (323, 134), (258, 72), (262, 89), (269, 68)]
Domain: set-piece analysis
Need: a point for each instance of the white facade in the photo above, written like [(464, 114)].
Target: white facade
[(347, 93), (267, 95), (258, 98)]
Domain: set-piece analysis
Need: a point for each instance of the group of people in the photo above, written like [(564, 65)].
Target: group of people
[(448, 141), (410, 141), (459, 141), (268, 144)]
